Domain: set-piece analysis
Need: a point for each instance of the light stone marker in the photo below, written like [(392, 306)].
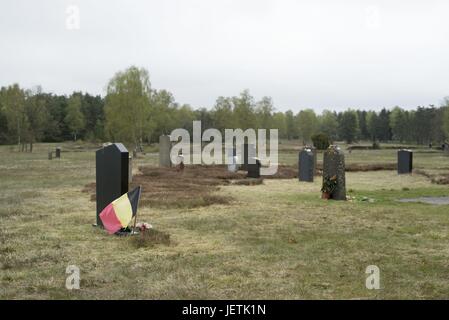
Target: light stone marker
[(164, 151), (232, 160)]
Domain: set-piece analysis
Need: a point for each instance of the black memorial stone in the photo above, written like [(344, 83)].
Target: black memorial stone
[(58, 152), (306, 165), (253, 169), (405, 161), (249, 154), (112, 170)]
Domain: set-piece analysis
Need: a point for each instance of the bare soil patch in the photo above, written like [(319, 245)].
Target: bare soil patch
[(434, 178), (196, 185), (193, 187)]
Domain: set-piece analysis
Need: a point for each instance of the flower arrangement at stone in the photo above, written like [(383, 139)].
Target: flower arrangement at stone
[(329, 185)]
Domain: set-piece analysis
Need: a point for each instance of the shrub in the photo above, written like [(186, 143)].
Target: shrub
[(321, 141)]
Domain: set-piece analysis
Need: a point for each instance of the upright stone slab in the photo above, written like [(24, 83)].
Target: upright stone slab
[(164, 151), (112, 170), (50, 155), (315, 158), (253, 169), (58, 152), (334, 165), (232, 160), (306, 165), (405, 161), (249, 152)]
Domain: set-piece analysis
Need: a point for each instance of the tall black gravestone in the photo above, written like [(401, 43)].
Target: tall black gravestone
[(112, 170), (405, 161), (58, 152), (306, 164)]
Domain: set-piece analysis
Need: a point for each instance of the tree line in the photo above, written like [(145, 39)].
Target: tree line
[(135, 113)]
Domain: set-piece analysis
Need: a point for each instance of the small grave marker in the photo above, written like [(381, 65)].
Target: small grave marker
[(164, 151), (232, 160), (405, 161), (253, 169), (306, 165)]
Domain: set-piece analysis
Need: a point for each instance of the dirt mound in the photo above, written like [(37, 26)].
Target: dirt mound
[(194, 187), (170, 188), (167, 187)]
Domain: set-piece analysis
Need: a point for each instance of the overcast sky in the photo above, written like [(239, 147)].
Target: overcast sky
[(304, 54)]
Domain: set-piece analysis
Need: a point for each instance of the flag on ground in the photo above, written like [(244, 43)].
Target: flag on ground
[(119, 213)]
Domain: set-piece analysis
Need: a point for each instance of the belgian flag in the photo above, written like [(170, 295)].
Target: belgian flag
[(120, 212)]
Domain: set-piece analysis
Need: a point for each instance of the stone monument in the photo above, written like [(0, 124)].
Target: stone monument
[(334, 168), (253, 169), (249, 155), (306, 165), (112, 170), (232, 160), (405, 161), (164, 151)]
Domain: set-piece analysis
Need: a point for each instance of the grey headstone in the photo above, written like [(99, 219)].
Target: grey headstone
[(315, 158), (253, 169), (50, 155), (306, 165), (334, 165), (232, 160), (446, 148), (112, 170), (164, 151), (405, 161), (58, 152)]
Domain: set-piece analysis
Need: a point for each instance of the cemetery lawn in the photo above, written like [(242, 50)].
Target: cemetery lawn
[(277, 240)]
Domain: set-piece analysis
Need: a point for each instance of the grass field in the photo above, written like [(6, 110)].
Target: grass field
[(277, 240)]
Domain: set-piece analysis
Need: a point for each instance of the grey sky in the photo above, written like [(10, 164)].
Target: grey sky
[(304, 54)]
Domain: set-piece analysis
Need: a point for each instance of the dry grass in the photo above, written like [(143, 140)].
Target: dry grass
[(437, 178), (150, 238), (192, 187), (275, 240)]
